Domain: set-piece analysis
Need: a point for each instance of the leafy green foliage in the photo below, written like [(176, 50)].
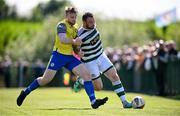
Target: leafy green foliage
[(16, 32), (3, 9), (30, 40), (35, 38), (118, 33), (7, 11), (53, 7)]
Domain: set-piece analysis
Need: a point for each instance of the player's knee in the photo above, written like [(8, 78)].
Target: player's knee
[(39, 79), (86, 76), (98, 88), (44, 80)]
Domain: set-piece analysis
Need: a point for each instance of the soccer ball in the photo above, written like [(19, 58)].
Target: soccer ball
[(138, 102)]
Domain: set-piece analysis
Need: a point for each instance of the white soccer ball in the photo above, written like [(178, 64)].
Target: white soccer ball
[(138, 102)]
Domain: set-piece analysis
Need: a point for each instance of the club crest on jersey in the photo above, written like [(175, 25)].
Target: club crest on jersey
[(94, 41), (52, 64)]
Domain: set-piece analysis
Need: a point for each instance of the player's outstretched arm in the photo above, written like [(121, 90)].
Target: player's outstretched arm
[(76, 41), (64, 40)]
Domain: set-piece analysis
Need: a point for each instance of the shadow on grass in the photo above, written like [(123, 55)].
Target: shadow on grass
[(67, 109)]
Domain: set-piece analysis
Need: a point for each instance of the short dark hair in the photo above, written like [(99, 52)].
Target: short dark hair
[(70, 9), (86, 15)]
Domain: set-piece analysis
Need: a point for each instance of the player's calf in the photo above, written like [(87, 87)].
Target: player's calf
[(98, 85)]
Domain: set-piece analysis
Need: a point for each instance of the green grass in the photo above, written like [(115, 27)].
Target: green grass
[(63, 102)]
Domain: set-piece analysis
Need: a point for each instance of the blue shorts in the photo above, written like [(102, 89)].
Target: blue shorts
[(59, 60)]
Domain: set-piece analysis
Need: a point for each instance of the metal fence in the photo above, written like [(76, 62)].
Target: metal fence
[(134, 81), (146, 81)]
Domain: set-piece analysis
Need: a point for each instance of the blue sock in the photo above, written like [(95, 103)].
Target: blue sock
[(90, 90), (31, 87)]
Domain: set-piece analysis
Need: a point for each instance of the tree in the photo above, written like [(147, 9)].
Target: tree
[(3, 9), (50, 8)]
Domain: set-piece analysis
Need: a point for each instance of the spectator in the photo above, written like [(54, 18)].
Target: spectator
[(1, 73), (172, 51), (22, 67), (39, 68), (6, 65), (162, 55)]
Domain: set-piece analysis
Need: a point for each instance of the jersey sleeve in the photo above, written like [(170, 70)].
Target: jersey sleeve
[(79, 33), (61, 28)]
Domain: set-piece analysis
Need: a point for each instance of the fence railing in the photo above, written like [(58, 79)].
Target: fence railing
[(146, 81), (133, 81)]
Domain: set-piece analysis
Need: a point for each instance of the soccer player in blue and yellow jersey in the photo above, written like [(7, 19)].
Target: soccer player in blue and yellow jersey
[(66, 37)]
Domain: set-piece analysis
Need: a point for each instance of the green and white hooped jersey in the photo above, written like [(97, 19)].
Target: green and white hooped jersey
[(91, 44)]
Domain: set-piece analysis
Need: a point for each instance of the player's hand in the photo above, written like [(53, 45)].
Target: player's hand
[(81, 53), (76, 48), (77, 41)]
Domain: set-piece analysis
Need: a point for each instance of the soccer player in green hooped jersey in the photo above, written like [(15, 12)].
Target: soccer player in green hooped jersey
[(95, 60), (66, 36)]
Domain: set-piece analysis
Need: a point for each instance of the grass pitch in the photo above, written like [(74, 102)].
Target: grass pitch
[(64, 102)]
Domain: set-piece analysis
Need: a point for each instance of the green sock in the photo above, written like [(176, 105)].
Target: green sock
[(119, 89)]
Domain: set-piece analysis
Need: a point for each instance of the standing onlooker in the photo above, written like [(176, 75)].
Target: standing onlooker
[(172, 51), (1, 73), (38, 68), (22, 67), (161, 69), (6, 64)]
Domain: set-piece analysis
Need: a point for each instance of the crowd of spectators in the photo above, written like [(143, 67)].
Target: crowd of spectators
[(152, 56), (18, 70)]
